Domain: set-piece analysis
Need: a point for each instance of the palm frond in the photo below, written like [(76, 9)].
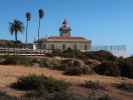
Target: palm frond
[(41, 13), (15, 27), (28, 16), (11, 28)]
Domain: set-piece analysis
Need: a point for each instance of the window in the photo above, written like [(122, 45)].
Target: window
[(75, 46), (86, 47), (44, 46), (63, 46), (52, 46)]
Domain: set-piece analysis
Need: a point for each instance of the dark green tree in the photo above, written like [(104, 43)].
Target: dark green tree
[(15, 27), (41, 15), (28, 18)]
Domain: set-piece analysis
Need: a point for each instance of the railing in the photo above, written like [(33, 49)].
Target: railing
[(23, 52)]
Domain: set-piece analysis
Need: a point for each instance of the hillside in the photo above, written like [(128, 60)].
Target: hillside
[(9, 74), (88, 75)]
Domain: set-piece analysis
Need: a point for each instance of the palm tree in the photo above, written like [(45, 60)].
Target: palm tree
[(28, 18), (41, 15), (15, 27)]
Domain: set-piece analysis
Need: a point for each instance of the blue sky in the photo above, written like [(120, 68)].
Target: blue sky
[(105, 22)]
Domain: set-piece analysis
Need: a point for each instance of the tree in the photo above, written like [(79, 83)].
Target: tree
[(15, 27), (28, 18), (41, 15)]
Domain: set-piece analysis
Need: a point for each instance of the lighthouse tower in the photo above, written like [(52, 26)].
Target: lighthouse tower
[(65, 30), (65, 40)]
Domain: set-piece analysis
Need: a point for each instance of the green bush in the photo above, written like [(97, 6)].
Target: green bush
[(94, 85), (65, 96), (99, 95), (39, 83), (56, 96), (4, 96), (100, 55), (73, 71), (71, 53), (108, 68), (126, 67), (23, 60), (76, 67), (125, 86), (43, 88), (68, 53), (44, 63), (16, 60)]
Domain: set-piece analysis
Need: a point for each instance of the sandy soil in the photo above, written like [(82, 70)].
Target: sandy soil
[(10, 73)]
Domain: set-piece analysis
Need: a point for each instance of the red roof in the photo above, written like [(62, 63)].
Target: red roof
[(66, 37)]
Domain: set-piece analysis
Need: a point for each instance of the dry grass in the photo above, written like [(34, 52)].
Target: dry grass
[(9, 74)]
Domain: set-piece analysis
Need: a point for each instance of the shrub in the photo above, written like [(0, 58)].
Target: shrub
[(4, 96), (99, 95), (52, 63), (126, 67), (16, 60), (71, 53), (100, 55), (51, 96), (87, 70), (73, 71), (43, 88), (76, 67), (65, 96), (94, 85), (64, 64), (108, 68), (125, 86), (39, 83), (68, 53), (44, 63)]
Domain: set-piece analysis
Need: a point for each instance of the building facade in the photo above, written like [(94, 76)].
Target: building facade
[(65, 40)]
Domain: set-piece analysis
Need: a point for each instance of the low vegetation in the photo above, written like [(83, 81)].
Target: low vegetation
[(99, 95), (76, 67), (4, 96), (74, 62), (69, 53), (97, 90), (11, 44), (108, 68), (44, 88), (126, 67), (38, 83), (94, 85), (125, 87), (15, 60)]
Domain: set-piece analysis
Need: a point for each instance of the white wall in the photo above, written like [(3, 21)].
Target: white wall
[(59, 45)]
